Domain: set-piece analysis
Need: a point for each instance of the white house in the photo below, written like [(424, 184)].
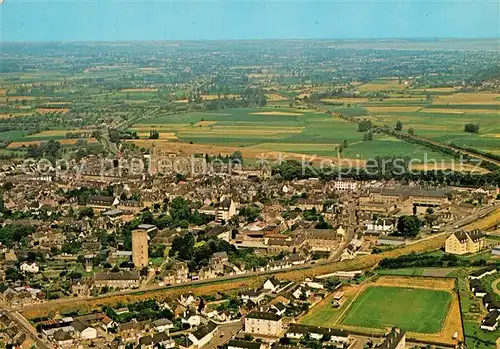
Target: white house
[(193, 320), (272, 284), (345, 185), (29, 268), (339, 337), (163, 325), (203, 334), (490, 322), (253, 295), (263, 323), (479, 274), (83, 330), (381, 226), (187, 299)]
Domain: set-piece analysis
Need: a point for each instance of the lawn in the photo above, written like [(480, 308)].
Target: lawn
[(325, 314), (414, 310), (477, 338)]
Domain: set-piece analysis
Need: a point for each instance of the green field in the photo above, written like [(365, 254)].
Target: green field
[(414, 310), (295, 130), (441, 117), (477, 338)]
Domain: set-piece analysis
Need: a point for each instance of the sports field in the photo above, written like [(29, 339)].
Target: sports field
[(411, 309)]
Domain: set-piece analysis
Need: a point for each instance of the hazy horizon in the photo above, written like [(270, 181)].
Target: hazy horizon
[(113, 21)]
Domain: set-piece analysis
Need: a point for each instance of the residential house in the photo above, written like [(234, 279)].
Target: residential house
[(263, 323), (163, 325), (490, 322), (255, 296), (226, 210), (157, 340), (335, 336), (480, 273), (272, 284), (203, 334), (120, 280), (462, 242), (63, 339), (396, 339), (345, 185), (83, 330), (102, 202), (30, 268), (240, 344), (177, 275)]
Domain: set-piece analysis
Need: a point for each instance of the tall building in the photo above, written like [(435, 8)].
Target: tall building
[(462, 242), (140, 248)]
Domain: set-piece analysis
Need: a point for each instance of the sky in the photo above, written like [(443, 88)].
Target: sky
[(127, 20)]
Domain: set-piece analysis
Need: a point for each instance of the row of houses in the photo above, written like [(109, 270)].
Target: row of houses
[(489, 300)]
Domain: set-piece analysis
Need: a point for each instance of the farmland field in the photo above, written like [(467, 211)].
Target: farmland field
[(440, 114), (415, 310), (287, 130)]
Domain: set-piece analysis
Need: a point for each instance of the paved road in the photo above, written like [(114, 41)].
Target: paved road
[(28, 328), (226, 332)]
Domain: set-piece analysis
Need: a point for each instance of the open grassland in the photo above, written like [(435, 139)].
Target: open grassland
[(411, 309)]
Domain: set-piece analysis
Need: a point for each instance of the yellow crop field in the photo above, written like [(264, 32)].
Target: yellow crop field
[(275, 97), (51, 110), (6, 116), (393, 85), (395, 109), (346, 100), (494, 135), (205, 123), (277, 113), (214, 97), (469, 98), (435, 89), (52, 133), (460, 111), (442, 110)]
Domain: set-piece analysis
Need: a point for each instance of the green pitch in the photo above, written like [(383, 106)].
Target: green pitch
[(414, 310)]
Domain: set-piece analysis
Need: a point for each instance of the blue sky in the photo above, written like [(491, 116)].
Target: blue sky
[(110, 20)]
